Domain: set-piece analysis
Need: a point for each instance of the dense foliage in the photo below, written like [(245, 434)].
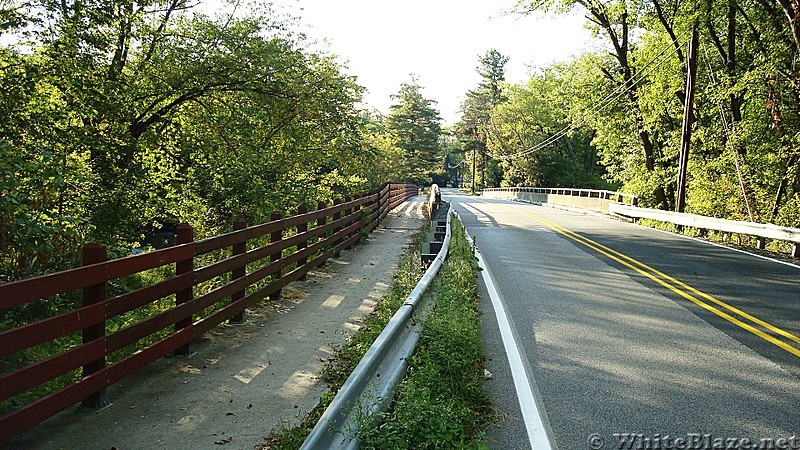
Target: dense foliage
[(613, 117), (414, 126), (122, 119)]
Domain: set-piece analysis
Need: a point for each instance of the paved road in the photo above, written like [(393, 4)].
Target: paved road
[(623, 329)]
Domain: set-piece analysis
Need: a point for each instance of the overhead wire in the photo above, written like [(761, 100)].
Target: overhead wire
[(605, 103), (728, 129)]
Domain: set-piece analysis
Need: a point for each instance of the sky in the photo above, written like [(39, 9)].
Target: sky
[(439, 41)]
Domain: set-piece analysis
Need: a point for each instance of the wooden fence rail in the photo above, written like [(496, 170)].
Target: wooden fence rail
[(294, 245)]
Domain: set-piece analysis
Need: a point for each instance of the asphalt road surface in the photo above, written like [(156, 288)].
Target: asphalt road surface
[(634, 338)]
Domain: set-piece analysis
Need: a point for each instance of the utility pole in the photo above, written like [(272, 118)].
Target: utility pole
[(483, 165), (473, 169), (688, 120)]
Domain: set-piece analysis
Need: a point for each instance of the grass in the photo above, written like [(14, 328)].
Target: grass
[(441, 403), (348, 355)]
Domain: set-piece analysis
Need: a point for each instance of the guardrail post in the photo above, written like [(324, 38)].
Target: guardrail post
[(184, 234), (302, 228), (92, 254), (795, 250), (761, 243), (276, 236), (238, 249)]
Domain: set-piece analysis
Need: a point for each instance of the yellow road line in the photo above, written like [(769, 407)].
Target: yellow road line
[(683, 285), (664, 280)]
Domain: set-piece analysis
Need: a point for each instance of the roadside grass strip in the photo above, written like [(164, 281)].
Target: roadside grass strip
[(442, 401), (348, 355), (748, 322)]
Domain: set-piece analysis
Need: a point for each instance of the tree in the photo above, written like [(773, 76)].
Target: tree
[(417, 127), (745, 163), (531, 116), (615, 21), (135, 116), (474, 125)]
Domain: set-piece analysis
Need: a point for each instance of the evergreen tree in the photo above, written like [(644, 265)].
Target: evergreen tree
[(417, 126), (475, 114)]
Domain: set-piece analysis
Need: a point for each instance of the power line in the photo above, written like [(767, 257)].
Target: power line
[(605, 103), (728, 129)]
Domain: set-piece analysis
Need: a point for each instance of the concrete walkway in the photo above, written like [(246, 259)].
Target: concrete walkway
[(245, 380)]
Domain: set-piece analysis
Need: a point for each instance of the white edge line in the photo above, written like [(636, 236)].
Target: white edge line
[(716, 244), (537, 433)]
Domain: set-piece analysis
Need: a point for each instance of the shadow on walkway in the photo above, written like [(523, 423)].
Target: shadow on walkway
[(245, 379)]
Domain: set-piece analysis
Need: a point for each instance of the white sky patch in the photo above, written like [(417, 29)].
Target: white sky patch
[(439, 41), (382, 42)]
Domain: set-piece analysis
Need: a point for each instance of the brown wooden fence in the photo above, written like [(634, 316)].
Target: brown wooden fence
[(245, 276)]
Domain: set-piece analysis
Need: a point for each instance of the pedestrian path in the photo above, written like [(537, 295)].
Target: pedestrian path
[(245, 379)]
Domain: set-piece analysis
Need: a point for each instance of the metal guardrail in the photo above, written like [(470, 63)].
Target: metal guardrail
[(619, 197), (762, 230), (371, 386), (622, 204)]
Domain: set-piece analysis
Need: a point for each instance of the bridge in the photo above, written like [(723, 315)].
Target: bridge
[(600, 333)]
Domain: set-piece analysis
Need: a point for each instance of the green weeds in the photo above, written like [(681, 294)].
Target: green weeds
[(441, 403)]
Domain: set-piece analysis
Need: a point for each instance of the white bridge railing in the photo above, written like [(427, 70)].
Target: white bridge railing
[(622, 204)]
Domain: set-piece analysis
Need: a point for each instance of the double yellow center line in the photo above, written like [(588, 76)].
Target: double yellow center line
[(767, 331)]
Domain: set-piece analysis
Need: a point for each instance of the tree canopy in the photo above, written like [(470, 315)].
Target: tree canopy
[(125, 118), (416, 127), (612, 117)]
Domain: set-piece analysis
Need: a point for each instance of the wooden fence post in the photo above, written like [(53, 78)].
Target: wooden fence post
[(349, 211), (184, 234), (321, 221), (238, 249), (92, 254), (385, 201), (276, 236), (357, 214), (302, 228), (336, 216)]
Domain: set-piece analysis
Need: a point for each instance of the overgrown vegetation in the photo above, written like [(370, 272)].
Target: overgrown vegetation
[(123, 119), (441, 403)]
